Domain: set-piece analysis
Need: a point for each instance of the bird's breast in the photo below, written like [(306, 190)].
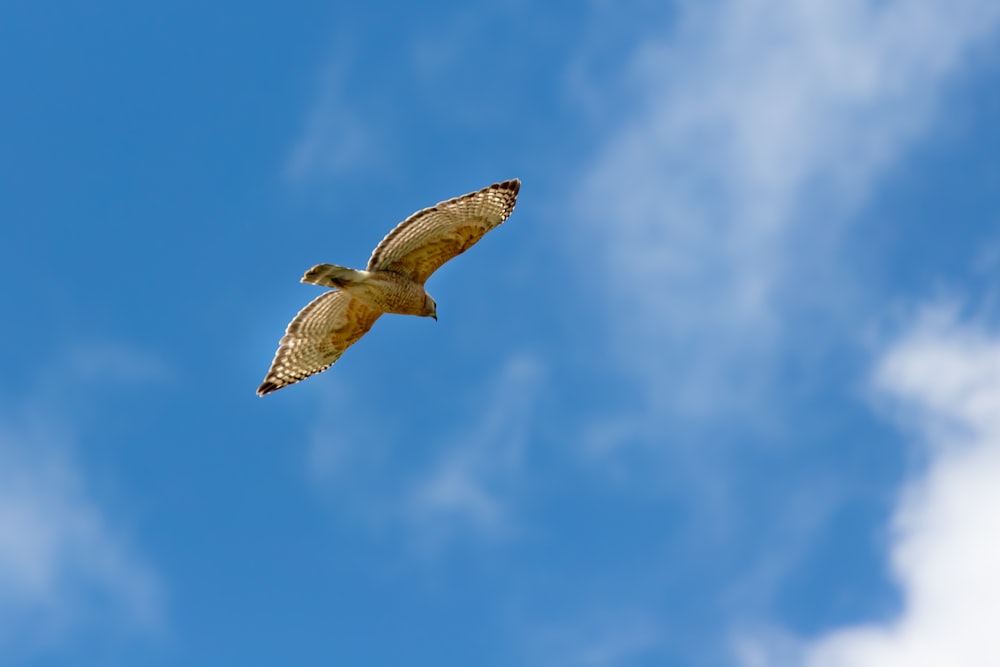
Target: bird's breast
[(391, 293)]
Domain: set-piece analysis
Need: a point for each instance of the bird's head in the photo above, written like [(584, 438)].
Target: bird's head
[(430, 308)]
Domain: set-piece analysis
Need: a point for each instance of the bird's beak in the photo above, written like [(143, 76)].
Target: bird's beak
[(435, 317)]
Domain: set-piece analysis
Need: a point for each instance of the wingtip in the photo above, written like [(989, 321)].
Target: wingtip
[(513, 184), (268, 387)]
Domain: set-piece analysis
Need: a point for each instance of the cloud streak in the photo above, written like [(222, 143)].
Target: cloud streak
[(65, 570), (62, 565), (335, 139), (759, 128), (473, 484), (469, 485)]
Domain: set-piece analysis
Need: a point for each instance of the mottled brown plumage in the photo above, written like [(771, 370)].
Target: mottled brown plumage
[(393, 282)]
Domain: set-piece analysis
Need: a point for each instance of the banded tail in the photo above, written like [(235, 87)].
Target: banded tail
[(331, 275)]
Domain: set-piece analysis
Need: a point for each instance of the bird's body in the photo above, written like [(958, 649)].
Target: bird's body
[(385, 291), (392, 283)]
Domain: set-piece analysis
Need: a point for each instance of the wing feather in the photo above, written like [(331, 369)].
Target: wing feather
[(316, 338), (419, 245)]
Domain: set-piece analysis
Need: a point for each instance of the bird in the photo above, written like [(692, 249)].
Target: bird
[(393, 282)]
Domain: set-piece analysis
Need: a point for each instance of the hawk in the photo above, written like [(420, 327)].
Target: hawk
[(392, 283)]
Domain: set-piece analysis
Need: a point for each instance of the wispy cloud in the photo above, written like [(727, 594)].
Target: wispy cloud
[(475, 480), (335, 138), (469, 486), (456, 73), (63, 567), (66, 570), (596, 639), (942, 379), (757, 129)]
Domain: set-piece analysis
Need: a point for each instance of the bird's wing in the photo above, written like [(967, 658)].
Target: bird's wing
[(316, 338), (419, 245)]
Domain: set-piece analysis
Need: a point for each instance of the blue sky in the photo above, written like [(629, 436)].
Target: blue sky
[(724, 390)]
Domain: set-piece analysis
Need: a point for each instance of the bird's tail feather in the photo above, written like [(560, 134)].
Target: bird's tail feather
[(331, 275)]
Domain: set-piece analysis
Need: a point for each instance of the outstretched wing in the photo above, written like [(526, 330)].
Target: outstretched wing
[(419, 245), (316, 338)]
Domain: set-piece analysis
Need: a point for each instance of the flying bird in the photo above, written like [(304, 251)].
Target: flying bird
[(393, 282)]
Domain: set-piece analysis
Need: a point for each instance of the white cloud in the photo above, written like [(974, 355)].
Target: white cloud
[(943, 379), (758, 127), (65, 570), (470, 484)]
